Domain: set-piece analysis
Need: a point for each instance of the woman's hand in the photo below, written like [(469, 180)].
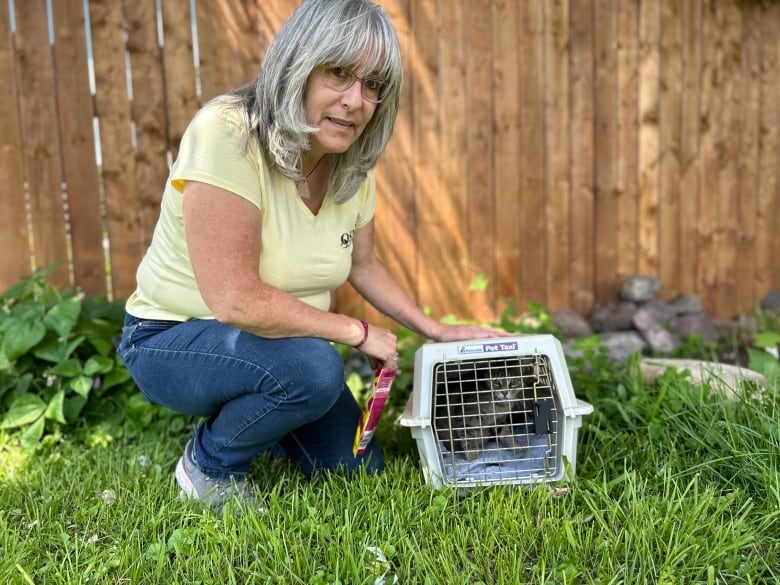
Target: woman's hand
[(381, 347), (459, 332)]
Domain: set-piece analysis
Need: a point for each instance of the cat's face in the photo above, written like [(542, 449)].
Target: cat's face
[(506, 382)]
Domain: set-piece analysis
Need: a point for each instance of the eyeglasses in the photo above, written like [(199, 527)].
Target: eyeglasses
[(341, 79)]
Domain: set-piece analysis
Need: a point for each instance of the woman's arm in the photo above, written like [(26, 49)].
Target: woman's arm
[(378, 286), (223, 238)]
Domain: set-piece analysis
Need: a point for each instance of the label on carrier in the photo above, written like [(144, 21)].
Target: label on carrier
[(491, 347)]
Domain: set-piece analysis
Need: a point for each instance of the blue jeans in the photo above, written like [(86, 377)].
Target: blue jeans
[(256, 394)]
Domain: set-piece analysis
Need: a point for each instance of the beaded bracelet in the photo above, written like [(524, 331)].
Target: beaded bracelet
[(365, 334)]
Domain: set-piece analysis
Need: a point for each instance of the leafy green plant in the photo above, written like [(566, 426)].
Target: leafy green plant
[(763, 357), (764, 363), (536, 319), (56, 355)]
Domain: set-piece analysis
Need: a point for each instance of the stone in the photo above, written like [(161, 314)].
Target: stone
[(613, 317), (660, 311), (658, 338), (695, 324), (723, 377), (639, 288), (571, 325), (686, 304), (622, 344), (771, 302)]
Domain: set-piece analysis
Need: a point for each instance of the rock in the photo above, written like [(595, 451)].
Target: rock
[(695, 324), (657, 337), (571, 324), (640, 289), (622, 344), (686, 304), (771, 302), (723, 377), (613, 317), (660, 311)]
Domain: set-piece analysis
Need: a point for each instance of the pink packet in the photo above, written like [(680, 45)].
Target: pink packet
[(383, 380)]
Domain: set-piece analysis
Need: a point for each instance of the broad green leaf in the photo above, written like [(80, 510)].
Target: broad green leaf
[(73, 406), (32, 434), (68, 368), (62, 316), (52, 349), (766, 339), (23, 382), (764, 363), (98, 364), (54, 410), (12, 387), (26, 409), (21, 336), (115, 377), (99, 333), (82, 385)]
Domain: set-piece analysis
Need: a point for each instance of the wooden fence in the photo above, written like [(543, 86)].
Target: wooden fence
[(548, 148)]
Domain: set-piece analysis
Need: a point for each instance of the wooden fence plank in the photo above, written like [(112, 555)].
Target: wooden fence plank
[(533, 260), (558, 149), (41, 142), (669, 104), (13, 217), (712, 59), (148, 112), (213, 50), (689, 146), (748, 188), (180, 96), (396, 220), (728, 137), (627, 180), (582, 157), (508, 150), (75, 114), (774, 45), (605, 151), (481, 200), (426, 91), (228, 45), (270, 20), (441, 158), (113, 110), (768, 202), (649, 140)]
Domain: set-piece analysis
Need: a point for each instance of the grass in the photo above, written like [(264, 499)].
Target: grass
[(674, 485)]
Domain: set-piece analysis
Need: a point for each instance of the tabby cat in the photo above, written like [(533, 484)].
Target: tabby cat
[(476, 405)]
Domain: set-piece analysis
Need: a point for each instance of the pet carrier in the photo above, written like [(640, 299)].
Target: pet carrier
[(494, 411)]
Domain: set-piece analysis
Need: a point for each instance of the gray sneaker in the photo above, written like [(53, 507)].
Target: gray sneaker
[(194, 483)]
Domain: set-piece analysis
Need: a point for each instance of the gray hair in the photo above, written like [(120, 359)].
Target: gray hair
[(271, 108)]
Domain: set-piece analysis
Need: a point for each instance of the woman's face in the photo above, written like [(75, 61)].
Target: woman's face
[(341, 116)]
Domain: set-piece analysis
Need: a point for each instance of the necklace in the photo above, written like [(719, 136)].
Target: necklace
[(303, 185)]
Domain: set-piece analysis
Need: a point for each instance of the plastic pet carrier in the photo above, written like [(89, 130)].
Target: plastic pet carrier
[(494, 411)]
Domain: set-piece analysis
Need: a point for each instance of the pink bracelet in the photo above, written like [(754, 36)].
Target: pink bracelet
[(365, 334)]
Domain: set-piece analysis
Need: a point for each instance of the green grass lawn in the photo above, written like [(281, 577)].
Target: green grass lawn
[(674, 485)]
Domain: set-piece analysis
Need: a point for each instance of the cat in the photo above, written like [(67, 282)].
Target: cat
[(478, 402)]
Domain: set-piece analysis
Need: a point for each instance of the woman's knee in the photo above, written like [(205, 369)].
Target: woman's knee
[(320, 373)]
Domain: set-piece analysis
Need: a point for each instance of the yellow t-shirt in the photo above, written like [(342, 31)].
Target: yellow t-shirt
[(303, 254)]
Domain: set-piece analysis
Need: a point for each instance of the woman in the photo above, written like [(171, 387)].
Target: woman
[(268, 208)]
